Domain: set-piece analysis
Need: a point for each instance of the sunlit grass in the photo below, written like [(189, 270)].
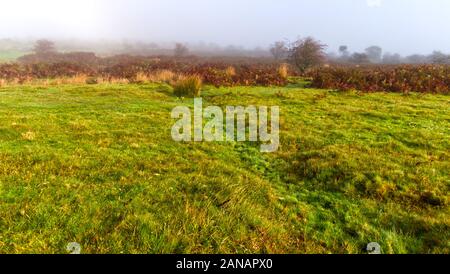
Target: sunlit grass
[(96, 165)]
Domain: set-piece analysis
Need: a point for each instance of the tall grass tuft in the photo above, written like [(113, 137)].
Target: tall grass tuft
[(91, 80), (230, 71), (283, 71), (141, 77), (163, 76), (187, 86)]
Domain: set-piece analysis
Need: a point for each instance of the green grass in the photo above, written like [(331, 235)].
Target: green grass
[(10, 55), (96, 165)]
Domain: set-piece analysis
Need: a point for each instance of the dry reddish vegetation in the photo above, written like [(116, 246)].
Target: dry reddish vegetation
[(402, 78), (229, 72), (214, 72)]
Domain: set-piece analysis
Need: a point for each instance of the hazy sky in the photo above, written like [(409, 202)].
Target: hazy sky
[(404, 26)]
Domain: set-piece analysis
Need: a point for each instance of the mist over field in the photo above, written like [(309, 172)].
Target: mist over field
[(398, 26)]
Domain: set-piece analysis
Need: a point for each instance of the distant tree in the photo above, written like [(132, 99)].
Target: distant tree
[(438, 57), (359, 58), (43, 47), (374, 54), (416, 59), (343, 51), (180, 50), (390, 58), (279, 50), (306, 53)]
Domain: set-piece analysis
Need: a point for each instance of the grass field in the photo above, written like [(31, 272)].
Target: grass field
[(96, 165)]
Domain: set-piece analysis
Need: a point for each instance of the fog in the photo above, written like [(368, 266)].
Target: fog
[(403, 26)]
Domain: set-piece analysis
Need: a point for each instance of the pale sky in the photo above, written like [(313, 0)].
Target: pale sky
[(404, 26)]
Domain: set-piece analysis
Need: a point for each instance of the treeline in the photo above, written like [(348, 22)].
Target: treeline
[(110, 48), (280, 51), (283, 50), (375, 55)]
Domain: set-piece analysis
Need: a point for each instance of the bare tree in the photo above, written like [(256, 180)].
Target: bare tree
[(279, 50), (180, 50), (43, 47), (306, 53), (374, 54), (343, 50)]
